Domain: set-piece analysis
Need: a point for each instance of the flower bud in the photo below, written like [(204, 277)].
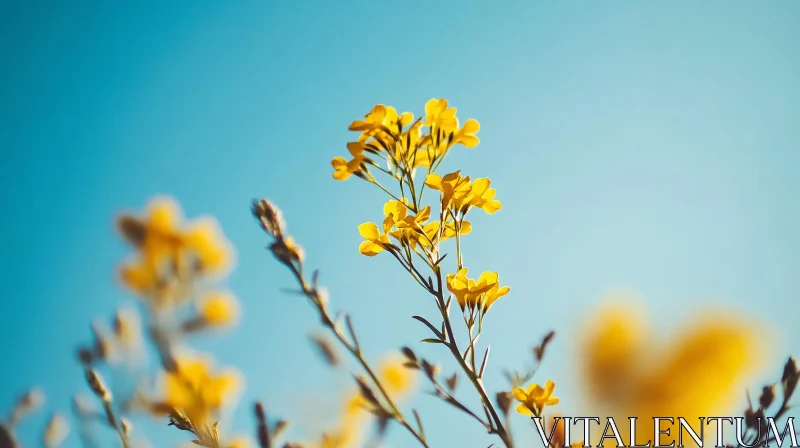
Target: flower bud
[(56, 431), (790, 377), (504, 400), (767, 396), (269, 216), (97, 385)]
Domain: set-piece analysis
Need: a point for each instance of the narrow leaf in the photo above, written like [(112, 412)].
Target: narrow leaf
[(430, 326)]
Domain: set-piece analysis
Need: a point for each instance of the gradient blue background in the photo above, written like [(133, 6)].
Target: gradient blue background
[(651, 145)]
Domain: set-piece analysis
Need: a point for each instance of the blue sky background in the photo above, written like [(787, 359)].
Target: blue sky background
[(649, 145)]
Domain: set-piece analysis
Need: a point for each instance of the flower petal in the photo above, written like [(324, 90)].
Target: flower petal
[(369, 231)]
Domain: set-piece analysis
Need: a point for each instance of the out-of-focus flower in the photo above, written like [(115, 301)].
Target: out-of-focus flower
[(535, 398), (219, 309), (31, 401), (696, 374), (56, 431), (167, 248), (398, 380), (192, 390)]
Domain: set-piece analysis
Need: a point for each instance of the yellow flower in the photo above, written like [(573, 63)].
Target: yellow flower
[(458, 284), (412, 148), (239, 442), (344, 168), (396, 378), (466, 135), (697, 374), (449, 230), (535, 398), (480, 294), (481, 196), (219, 309), (164, 246), (398, 381), (376, 241), (380, 120), (439, 116), (205, 238), (496, 291), (453, 186), (409, 226), (192, 390)]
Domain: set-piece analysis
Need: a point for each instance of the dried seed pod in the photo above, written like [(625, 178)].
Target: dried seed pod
[(539, 350), (269, 216), (750, 419), (408, 353), (262, 430), (325, 350), (132, 229), (452, 381), (767, 396), (790, 378), (85, 356), (366, 392), (97, 385), (504, 400)]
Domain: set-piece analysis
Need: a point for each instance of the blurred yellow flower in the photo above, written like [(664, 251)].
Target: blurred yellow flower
[(535, 398), (164, 246), (192, 390), (220, 308), (700, 372), (239, 442), (398, 380), (204, 238)]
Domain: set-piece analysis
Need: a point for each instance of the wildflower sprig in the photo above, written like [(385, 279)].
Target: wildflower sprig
[(174, 271), (373, 391), (412, 233)]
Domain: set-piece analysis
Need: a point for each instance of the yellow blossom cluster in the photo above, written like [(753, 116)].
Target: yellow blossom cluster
[(397, 145)]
